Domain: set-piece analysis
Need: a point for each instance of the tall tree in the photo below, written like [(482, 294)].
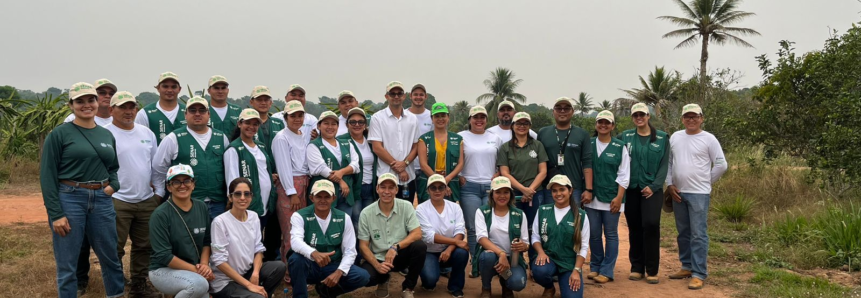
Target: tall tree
[(709, 21), (501, 85), (583, 104), (605, 105), (659, 90)]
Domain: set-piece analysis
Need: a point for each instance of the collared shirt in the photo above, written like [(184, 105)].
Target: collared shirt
[(449, 223), (307, 126), (398, 136), (384, 231), (231, 171), (348, 243), (505, 134), (498, 232), (317, 164), (288, 150), (623, 176)]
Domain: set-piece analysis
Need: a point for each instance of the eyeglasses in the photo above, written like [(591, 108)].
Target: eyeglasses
[(103, 93), (562, 109), (691, 118), (396, 94), (522, 124), (177, 183), (436, 187), (638, 115), (197, 111), (357, 122), (246, 194)]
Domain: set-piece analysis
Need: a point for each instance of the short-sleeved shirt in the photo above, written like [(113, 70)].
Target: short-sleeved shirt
[(523, 162), (381, 231), (398, 136)]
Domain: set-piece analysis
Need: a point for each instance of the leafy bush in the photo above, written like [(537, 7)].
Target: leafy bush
[(735, 210), (791, 229), (840, 229)]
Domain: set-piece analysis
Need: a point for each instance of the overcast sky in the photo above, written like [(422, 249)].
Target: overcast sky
[(558, 48)]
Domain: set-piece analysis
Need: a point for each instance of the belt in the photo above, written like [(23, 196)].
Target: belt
[(87, 185)]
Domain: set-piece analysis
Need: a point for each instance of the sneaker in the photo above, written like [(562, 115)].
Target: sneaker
[(592, 275), (404, 272), (549, 292), (602, 279), (652, 279), (682, 274), (485, 293), (635, 276), (695, 284), (407, 293), (382, 290), (457, 294)]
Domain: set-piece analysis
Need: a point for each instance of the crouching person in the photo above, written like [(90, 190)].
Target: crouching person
[(443, 233), (325, 244)]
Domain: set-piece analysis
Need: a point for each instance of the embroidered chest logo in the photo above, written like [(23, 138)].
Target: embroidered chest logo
[(533, 154)]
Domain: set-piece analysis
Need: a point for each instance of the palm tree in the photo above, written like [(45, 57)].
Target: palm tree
[(658, 91), (501, 85), (583, 103), (710, 21), (605, 105), (622, 106), (459, 114), (44, 115)]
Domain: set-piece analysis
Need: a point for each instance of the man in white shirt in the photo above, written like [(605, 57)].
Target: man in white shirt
[(696, 162), (296, 92), (200, 147), (324, 240), (223, 115), (106, 90), (167, 114), (505, 115), (418, 97), (346, 102), (135, 201), (394, 135)]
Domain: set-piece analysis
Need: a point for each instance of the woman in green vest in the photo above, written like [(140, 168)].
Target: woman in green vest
[(561, 240), (440, 152), (335, 160), (502, 237), (650, 154), (610, 163), (364, 180)]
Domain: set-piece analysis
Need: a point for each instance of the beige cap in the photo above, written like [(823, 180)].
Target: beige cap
[(327, 114), (477, 110), (168, 76), (293, 106), (563, 100), (248, 114), (105, 83), (692, 108), (500, 182), (121, 98), (356, 110), (436, 178), (196, 100), (506, 103), (559, 179), (217, 79), (387, 177), (522, 115), (345, 93), (394, 84), (294, 87), (640, 107), (419, 86), (259, 91), (323, 185), (606, 115), (80, 89)]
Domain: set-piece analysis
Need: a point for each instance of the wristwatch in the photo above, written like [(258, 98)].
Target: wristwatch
[(396, 247), (578, 269)]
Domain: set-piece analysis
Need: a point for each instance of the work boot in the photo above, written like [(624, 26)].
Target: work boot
[(635, 276), (652, 279), (682, 274), (695, 284), (138, 288), (592, 275), (602, 279)]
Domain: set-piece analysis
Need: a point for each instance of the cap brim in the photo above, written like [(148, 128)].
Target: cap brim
[(216, 82), (183, 174), (168, 79), (328, 117), (109, 85), (297, 88), (123, 102), (84, 94), (331, 193), (605, 118)]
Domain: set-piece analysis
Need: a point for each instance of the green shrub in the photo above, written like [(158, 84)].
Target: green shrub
[(840, 229), (780, 283), (791, 229), (735, 210)]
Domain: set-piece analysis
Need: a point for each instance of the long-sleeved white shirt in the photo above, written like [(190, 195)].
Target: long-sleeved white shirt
[(559, 214), (288, 150), (167, 152), (498, 233), (348, 239), (449, 223), (234, 242), (135, 152), (317, 165), (696, 162), (623, 177), (307, 126), (231, 171)]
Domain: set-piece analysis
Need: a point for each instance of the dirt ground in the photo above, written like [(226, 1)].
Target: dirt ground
[(30, 209)]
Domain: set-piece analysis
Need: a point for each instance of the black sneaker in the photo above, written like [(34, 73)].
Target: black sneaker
[(457, 294)]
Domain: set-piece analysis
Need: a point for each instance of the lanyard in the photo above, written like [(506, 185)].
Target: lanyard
[(562, 144)]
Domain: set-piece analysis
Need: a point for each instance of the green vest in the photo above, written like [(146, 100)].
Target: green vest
[(160, 125), (356, 186), (515, 220), (604, 169), (228, 124), (267, 132), (248, 169), (333, 164), (645, 159), (328, 241), (206, 165), (452, 155), (558, 240)]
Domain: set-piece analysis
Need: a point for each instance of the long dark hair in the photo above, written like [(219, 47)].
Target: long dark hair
[(514, 137), (232, 187), (574, 203), (364, 132)]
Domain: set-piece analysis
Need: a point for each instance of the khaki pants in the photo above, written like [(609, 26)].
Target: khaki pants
[(133, 222)]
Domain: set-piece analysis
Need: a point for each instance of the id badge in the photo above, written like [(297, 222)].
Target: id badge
[(560, 159)]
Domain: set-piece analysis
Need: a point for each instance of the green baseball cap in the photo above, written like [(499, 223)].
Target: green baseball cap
[(439, 108)]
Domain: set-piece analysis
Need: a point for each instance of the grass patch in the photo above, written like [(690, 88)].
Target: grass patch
[(779, 283), (735, 210), (841, 235), (27, 261), (19, 174)]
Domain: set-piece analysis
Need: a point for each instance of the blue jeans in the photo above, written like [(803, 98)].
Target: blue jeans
[(543, 276), (304, 271), (90, 213), (692, 223), (472, 196), (531, 211), (487, 260), (216, 209), (606, 223), (179, 283), (457, 262)]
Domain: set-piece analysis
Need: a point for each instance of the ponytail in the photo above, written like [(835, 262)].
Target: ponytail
[(575, 209), (653, 132)]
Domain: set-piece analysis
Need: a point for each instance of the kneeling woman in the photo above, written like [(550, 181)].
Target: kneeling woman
[(561, 238), (237, 249), (179, 235), (501, 232), (443, 231)]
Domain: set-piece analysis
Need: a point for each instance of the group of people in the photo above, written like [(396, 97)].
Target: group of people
[(229, 202)]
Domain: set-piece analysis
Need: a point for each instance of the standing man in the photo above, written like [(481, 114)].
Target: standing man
[(394, 135), (696, 162), (135, 201), (167, 114), (200, 147), (505, 116), (569, 150), (346, 101), (418, 96), (223, 116), (390, 239), (309, 131), (106, 90), (261, 101)]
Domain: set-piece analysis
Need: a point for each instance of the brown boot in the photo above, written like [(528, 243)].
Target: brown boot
[(695, 284), (485, 293), (592, 275), (635, 276), (602, 279), (138, 288), (652, 279), (681, 274), (549, 293)]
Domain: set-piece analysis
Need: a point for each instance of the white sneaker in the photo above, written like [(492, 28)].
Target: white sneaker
[(407, 293)]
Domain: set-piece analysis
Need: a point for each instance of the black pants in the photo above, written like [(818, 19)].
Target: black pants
[(644, 228), (411, 257), (271, 236), (271, 274)]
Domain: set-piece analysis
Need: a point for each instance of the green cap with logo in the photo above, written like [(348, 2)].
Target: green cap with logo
[(387, 177), (563, 100), (81, 89), (506, 103), (692, 108), (259, 91), (293, 106), (500, 182), (606, 115), (356, 110), (248, 114), (295, 87), (393, 85), (327, 114), (105, 83), (477, 110), (439, 108), (345, 93), (168, 76), (522, 115), (559, 179)]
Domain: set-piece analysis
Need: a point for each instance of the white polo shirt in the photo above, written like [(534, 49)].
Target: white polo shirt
[(398, 136), (135, 151), (449, 223)]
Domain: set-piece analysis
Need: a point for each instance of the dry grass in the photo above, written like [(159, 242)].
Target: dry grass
[(27, 261), (19, 176)]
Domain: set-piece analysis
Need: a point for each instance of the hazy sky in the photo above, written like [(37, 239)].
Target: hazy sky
[(558, 48)]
